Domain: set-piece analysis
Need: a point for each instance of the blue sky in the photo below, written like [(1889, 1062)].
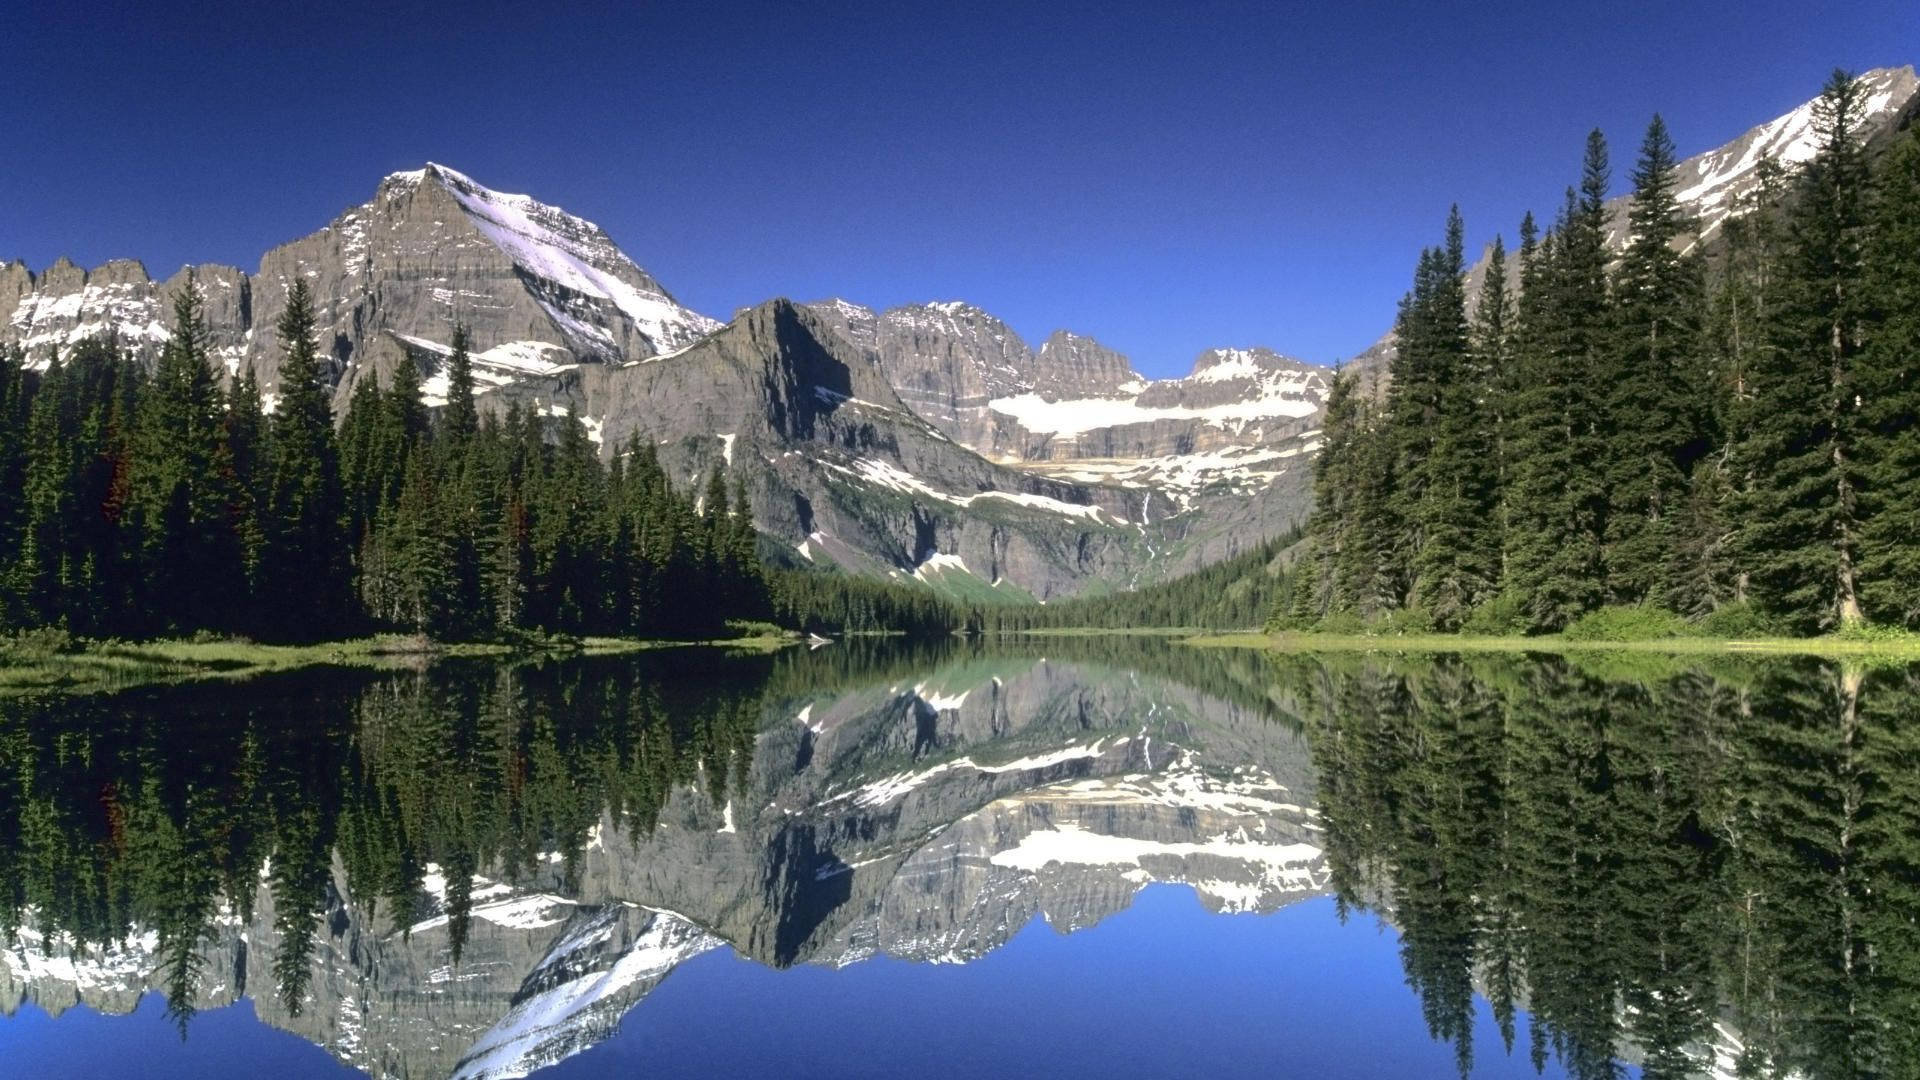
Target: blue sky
[(1164, 177)]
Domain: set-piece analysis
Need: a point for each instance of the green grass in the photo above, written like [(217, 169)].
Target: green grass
[(85, 667), (1848, 644)]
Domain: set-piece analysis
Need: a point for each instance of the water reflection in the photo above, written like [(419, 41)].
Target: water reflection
[(477, 869), (1700, 869)]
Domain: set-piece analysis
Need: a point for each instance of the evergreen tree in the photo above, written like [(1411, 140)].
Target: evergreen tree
[(1888, 385), (1558, 501), (1799, 530), (180, 514), (1655, 422), (460, 420), (305, 558), (1456, 564)]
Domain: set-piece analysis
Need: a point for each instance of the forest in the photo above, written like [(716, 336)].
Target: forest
[(1719, 432), (137, 504)]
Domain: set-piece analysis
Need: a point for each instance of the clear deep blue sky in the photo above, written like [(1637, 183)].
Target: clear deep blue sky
[(1164, 177)]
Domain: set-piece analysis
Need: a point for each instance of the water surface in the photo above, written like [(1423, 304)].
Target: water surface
[(1093, 857)]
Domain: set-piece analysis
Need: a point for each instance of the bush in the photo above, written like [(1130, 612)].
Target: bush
[(1625, 624), (1741, 620), (1404, 621), (1340, 622), (1503, 616), (1878, 634), (42, 643)]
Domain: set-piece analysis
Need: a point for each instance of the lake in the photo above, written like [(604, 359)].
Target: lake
[(1074, 856)]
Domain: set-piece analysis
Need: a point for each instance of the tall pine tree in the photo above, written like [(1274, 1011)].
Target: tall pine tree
[(305, 564), (1799, 532)]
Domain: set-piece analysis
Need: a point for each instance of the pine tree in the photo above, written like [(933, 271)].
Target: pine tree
[(1319, 584), (1655, 422), (180, 500), (1799, 529), (241, 459), (305, 562), (1456, 565), (460, 420), (1558, 501), (1888, 384)]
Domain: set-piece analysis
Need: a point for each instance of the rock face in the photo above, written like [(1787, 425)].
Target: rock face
[(841, 469), (1228, 446), (861, 436), (537, 287), (929, 822)]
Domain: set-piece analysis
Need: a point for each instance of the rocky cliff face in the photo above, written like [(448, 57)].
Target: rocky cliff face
[(928, 821), (856, 432), (1228, 445), (537, 287)]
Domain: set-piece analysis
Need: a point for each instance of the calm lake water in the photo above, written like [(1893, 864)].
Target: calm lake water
[(1094, 857)]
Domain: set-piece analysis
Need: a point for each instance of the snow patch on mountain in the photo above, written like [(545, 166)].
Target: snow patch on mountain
[(891, 477), (573, 252)]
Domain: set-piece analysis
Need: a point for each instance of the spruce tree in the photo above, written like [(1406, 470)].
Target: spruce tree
[(460, 420), (1888, 385), (190, 557), (305, 564), (1654, 417), (1799, 530), (1558, 501), (1456, 564)]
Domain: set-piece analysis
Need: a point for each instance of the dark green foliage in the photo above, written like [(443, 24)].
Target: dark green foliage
[(1888, 382), (1557, 449), (305, 557), (1655, 419), (167, 505), (1234, 594), (183, 489), (461, 419), (1666, 433), (1453, 517), (1798, 534)]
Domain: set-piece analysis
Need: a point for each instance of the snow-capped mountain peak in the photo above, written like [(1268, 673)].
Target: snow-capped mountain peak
[(551, 244)]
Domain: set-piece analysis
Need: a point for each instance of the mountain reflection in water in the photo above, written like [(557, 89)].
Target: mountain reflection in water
[(477, 869)]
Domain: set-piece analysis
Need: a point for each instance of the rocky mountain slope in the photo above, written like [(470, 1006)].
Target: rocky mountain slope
[(1076, 409), (928, 821), (1074, 475)]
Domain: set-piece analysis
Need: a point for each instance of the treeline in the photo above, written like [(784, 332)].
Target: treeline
[(1730, 435), (1650, 865), (136, 504), (1236, 593)]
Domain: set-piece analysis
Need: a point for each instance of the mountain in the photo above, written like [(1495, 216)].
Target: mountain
[(1078, 410), (929, 444), (540, 288)]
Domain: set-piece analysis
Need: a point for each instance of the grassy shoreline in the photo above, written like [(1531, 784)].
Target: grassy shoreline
[(97, 666), (1294, 641)]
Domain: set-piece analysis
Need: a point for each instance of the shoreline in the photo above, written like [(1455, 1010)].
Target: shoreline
[(1297, 642), (108, 666)]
